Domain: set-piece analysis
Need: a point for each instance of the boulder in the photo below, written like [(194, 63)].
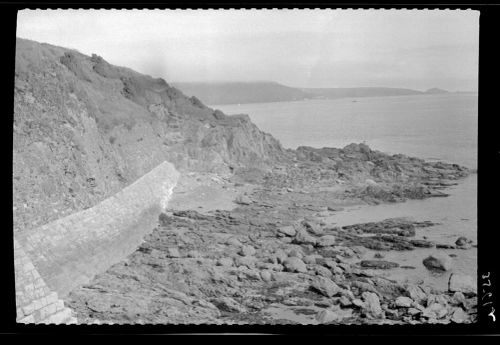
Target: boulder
[(403, 302), (295, 264), (326, 241), (463, 243), (438, 262), (462, 283), (371, 304), (324, 286), (416, 293), (459, 316)]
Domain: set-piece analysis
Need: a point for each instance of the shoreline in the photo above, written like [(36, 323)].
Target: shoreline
[(246, 248)]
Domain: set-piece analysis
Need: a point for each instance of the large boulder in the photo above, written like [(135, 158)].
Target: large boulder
[(371, 305), (438, 262), (462, 283)]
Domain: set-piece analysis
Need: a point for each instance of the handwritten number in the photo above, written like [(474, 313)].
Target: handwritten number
[(492, 314)]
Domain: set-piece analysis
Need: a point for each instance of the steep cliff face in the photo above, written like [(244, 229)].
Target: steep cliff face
[(84, 129)]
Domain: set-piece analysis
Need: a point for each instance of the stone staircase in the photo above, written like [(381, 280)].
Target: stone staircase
[(35, 302)]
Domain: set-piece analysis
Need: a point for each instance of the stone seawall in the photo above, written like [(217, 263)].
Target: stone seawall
[(70, 251)]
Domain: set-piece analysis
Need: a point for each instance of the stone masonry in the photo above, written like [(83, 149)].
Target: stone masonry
[(55, 258)]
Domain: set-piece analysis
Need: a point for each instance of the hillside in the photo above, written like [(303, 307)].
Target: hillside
[(239, 92), (84, 129)]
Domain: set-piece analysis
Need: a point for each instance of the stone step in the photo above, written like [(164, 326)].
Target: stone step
[(60, 317)]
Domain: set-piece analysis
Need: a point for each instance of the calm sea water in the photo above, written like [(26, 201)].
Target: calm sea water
[(436, 127), (433, 127)]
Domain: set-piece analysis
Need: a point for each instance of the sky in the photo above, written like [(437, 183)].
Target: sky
[(416, 49)]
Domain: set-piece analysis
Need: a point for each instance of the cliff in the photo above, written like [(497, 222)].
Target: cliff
[(84, 130)]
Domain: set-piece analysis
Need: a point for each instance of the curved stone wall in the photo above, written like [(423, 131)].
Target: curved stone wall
[(70, 251)]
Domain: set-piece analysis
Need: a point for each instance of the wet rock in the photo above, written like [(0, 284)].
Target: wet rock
[(438, 262), (445, 246), (326, 241), (247, 251), (379, 264), (295, 264), (288, 231), (422, 243), (324, 286), (403, 302), (462, 283), (463, 243), (371, 304)]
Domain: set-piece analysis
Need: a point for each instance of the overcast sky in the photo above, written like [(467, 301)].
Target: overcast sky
[(303, 48)]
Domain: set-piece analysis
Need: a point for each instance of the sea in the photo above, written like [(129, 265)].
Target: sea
[(442, 127)]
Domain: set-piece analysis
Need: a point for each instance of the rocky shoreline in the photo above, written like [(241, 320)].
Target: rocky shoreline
[(272, 258)]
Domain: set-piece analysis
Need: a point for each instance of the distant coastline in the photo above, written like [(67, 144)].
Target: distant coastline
[(263, 92)]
